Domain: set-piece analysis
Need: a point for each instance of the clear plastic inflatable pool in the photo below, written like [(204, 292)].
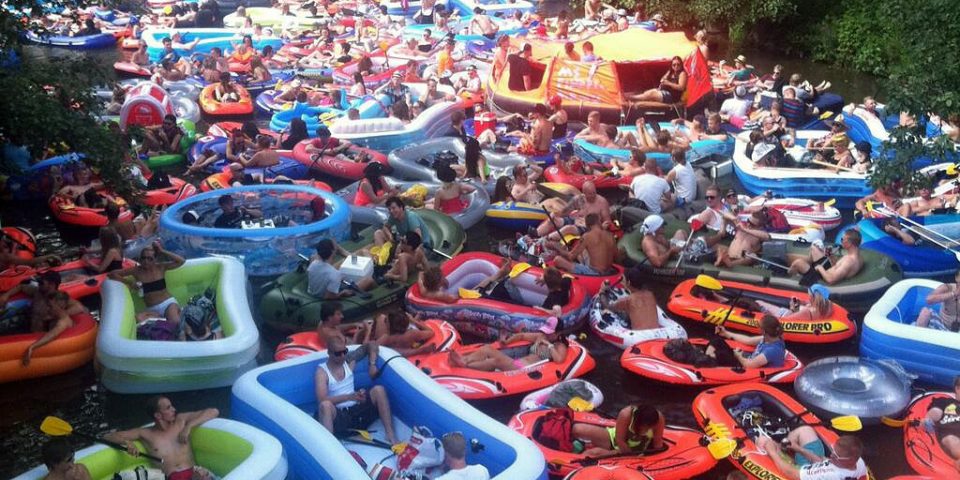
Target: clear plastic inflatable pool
[(268, 245)]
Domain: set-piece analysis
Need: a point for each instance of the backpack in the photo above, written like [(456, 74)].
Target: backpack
[(200, 312), (682, 351), (555, 430), (157, 329), (777, 221)]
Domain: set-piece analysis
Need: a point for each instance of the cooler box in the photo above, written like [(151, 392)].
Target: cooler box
[(356, 267), (483, 122)]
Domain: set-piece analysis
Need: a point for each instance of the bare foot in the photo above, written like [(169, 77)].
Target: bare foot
[(456, 360)]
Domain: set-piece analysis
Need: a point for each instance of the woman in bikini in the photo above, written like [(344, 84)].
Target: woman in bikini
[(373, 189), (545, 346), (226, 92), (151, 274), (111, 252), (639, 428)]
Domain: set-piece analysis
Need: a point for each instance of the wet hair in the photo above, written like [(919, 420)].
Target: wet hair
[(112, 211), (224, 77), (432, 278), (395, 200), (397, 322), (55, 452), (501, 191), (645, 416), (611, 131), (771, 327), (109, 239), (446, 173), (325, 248), (663, 138), (328, 309), (373, 172), (298, 130), (592, 219)]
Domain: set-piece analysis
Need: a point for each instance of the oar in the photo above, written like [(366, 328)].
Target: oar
[(831, 165), (438, 252), (764, 260), (557, 228), (468, 294), (364, 436), (925, 236), (883, 210), (695, 226), (57, 427), (845, 423)]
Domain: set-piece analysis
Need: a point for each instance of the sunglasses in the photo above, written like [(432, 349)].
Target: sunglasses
[(710, 197), (339, 352), (731, 195)]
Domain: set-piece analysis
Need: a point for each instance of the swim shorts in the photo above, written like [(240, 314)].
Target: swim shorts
[(161, 308)]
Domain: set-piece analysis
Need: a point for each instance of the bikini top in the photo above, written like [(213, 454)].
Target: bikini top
[(155, 286)]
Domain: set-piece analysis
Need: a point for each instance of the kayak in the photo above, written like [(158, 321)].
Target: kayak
[(77, 280), (615, 328), (132, 365), (648, 359), (685, 303), (925, 455), (577, 179), (71, 349), (345, 166), (65, 210), (230, 449), (287, 306), (210, 106), (745, 411), (161, 197), (890, 332), (856, 294), (487, 317), (471, 384), (684, 457), (445, 337)]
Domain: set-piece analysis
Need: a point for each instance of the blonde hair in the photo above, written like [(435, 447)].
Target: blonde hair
[(821, 305)]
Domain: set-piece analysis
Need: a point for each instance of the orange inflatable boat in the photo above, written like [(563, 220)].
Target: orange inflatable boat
[(211, 106), (178, 190), (607, 472), (685, 457), (647, 359), (475, 384), (25, 244), (687, 300), (77, 281), (65, 210), (71, 349), (922, 448), (444, 338)]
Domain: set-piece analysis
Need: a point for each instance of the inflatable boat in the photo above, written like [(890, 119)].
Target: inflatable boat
[(281, 400), (347, 165), (83, 42), (71, 349), (615, 328), (923, 259), (78, 280), (925, 454), (444, 338), (386, 134), (131, 365), (477, 203), (699, 150)]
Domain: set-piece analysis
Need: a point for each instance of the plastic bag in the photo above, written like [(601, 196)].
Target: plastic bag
[(423, 451), (140, 473)]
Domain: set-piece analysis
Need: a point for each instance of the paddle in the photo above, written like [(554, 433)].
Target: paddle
[(883, 210), (764, 260), (556, 228), (845, 423), (719, 449), (830, 165), (890, 213), (468, 294), (57, 427), (893, 422), (695, 226), (364, 437)]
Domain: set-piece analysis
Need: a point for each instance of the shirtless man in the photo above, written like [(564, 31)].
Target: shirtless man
[(330, 326), (264, 156), (58, 458), (44, 307), (640, 305), (483, 25), (393, 331), (595, 132), (843, 268), (168, 438), (537, 142), (947, 317), (524, 187), (925, 204), (655, 245), (575, 212), (748, 240), (8, 255), (600, 248)]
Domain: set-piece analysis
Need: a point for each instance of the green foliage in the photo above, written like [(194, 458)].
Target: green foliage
[(905, 146)]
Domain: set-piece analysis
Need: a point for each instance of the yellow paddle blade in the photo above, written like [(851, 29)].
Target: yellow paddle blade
[(469, 294), (826, 115), (849, 423), (364, 434), (951, 170), (892, 422), (722, 448), (399, 448), (708, 282), (55, 427), (518, 269), (717, 431), (578, 404), (570, 237), (830, 203)]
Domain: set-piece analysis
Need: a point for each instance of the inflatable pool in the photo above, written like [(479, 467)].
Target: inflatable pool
[(230, 449), (264, 248), (85, 42), (858, 293), (889, 331), (685, 302), (477, 203), (614, 328), (845, 385), (71, 349), (820, 184), (222, 38), (386, 134), (923, 259), (288, 306), (280, 399), (131, 365), (699, 150), (486, 317)]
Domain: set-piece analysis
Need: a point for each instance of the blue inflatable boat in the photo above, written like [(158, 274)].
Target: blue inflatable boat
[(280, 399), (85, 42), (923, 259), (889, 331), (699, 150)]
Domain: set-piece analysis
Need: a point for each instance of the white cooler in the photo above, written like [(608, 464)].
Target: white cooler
[(356, 267)]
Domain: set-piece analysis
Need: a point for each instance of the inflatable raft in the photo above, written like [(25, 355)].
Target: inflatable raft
[(83, 42), (857, 293), (925, 455), (699, 150), (71, 349), (801, 212), (477, 203), (345, 166), (577, 179), (223, 38), (230, 449), (614, 328), (162, 197), (65, 210), (890, 331), (685, 302), (685, 456), (280, 399), (923, 259), (131, 365), (211, 106), (287, 306), (486, 317), (77, 280), (648, 359), (845, 385), (444, 338), (471, 384)]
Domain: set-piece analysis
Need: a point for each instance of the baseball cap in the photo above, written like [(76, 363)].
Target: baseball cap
[(652, 223)]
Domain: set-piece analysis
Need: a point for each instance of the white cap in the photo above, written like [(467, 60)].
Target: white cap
[(651, 224)]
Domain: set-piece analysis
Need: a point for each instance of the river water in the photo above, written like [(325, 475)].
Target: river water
[(77, 397)]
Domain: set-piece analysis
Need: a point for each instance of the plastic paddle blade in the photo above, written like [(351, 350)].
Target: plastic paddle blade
[(518, 269), (468, 294), (578, 404), (826, 115), (952, 170), (708, 282), (363, 434), (398, 448), (55, 427), (849, 423), (892, 422), (722, 448), (830, 203), (570, 237)]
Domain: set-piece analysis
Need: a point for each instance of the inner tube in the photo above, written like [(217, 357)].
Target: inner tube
[(846, 385)]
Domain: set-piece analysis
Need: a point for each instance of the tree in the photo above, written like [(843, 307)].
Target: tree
[(50, 108)]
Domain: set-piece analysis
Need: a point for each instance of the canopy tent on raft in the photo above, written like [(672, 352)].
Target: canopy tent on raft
[(633, 61)]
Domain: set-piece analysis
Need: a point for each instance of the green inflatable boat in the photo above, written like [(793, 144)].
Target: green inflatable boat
[(288, 307), (856, 294), (187, 141)]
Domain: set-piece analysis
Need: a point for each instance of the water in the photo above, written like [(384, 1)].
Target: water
[(76, 396)]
